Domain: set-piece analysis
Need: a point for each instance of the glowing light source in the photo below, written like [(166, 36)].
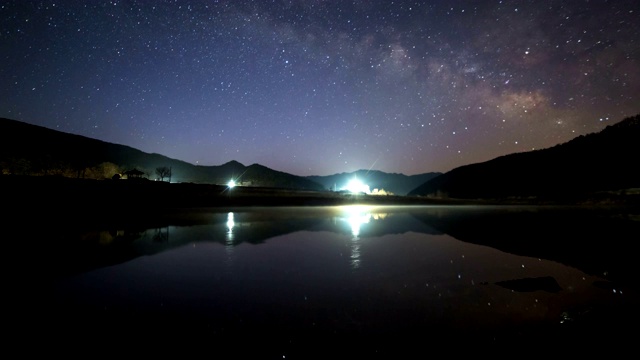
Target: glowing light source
[(231, 184), (356, 186)]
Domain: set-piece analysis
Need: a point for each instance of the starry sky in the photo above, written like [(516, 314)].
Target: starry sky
[(318, 87)]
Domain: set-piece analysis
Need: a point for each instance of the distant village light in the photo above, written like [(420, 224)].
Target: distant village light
[(356, 186)]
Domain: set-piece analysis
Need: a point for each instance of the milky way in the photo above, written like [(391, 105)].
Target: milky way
[(320, 87)]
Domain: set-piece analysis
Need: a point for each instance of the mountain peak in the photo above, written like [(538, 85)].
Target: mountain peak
[(233, 163)]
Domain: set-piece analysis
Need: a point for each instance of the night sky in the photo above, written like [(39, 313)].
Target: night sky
[(318, 87)]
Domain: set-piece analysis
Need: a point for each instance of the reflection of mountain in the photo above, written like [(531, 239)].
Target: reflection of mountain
[(590, 240), (70, 248), (598, 242), (543, 283)]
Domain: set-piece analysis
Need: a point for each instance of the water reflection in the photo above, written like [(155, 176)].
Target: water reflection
[(230, 224), (538, 232), (356, 216), (229, 240), (287, 274)]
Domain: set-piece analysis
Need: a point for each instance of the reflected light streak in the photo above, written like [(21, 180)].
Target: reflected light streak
[(229, 243), (355, 255), (356, 217), (230, 224)]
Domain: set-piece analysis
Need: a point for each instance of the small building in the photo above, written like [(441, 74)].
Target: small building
[(381, 192), (134, 174)]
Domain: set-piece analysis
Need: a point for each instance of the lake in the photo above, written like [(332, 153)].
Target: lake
[(357, 281)]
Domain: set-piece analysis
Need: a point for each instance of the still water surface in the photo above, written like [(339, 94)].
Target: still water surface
[(292, 282)]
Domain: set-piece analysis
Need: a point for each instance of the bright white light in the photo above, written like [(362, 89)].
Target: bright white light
[(230, 222), (356, 221), (231, 184), (356, 186), (356, 217)]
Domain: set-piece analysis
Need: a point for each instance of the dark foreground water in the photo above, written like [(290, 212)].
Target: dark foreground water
[(341, 282)]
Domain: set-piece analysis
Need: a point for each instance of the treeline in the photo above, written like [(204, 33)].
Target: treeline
[(50, 167), (36, 151)]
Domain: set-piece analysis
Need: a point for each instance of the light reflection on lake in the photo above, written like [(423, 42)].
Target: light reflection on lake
[(300, 281)]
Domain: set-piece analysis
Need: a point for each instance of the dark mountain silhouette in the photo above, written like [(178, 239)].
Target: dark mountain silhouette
[(597, 162), (27, 149), (398, 184)]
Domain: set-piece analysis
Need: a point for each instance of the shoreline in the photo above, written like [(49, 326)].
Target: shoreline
[(57, 192)]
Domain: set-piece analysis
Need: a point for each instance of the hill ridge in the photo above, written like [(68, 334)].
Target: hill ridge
[(599, 161), (27, 149)]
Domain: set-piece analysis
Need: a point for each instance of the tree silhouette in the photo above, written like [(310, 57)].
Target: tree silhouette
[(163, 172)]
